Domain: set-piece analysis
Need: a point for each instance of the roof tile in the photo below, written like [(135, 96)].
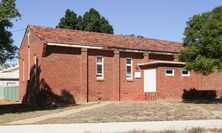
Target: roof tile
[(58, 35)]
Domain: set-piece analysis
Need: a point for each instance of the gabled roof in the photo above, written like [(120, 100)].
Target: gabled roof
[(75, 37), (10, 73), (11, 69), (9, 76)]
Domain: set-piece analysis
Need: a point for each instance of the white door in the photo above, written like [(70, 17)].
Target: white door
[(150, 80)]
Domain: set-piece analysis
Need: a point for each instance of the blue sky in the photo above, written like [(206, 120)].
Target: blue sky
[(161, 19)]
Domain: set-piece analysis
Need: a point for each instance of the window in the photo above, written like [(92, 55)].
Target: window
[(169, 72), (99, 67), (129, 71), (10, 84), (185, 73)]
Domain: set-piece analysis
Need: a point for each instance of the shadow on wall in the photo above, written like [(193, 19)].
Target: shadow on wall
[(200, 96), (39, 94)]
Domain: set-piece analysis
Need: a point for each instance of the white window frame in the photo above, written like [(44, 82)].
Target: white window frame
[(35, 59), (169, 74), (131, 65), (185, 75), (35, 63), (23, 70), (29, 56), (100, 63)]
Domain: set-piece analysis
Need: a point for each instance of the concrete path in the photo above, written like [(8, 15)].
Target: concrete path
[(59, 114), (112, 127)]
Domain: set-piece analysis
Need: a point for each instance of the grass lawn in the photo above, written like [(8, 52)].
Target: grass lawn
[(14, 112), (143, 111)]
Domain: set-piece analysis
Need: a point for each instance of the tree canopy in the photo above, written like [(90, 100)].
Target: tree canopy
[(203, 42), (90, 21), (69, 21), (4, 66), (8, 11)]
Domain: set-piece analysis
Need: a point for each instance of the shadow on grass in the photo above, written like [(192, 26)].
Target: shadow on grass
[(20, 108), (201, 96)]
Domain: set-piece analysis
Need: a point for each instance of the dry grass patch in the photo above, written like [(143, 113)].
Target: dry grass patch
[(144, 111)]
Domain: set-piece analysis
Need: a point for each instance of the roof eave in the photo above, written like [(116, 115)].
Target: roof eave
[(112, 48), (162, 62)]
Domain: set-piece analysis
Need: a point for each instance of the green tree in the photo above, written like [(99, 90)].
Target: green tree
[(91, 21), (4, 66), (8, 11), (69, 21), (80, 23), (203, 42)]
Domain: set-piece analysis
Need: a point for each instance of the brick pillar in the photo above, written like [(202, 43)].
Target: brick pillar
[(116, 76), (145, 57), (83, 93)]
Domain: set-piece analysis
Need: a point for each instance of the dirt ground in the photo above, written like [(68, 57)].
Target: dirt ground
[(144, 111)]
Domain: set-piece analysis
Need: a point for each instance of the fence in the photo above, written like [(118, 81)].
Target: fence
[(1, 93), (9, 93)]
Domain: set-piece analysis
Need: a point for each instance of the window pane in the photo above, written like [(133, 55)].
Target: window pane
[(99, 75), (128, 61), (128, 76), (185, 72), (169, 71), (99, 68), (99, 59), (128, 69)]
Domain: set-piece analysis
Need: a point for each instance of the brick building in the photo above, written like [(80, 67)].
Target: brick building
[(78, 66)]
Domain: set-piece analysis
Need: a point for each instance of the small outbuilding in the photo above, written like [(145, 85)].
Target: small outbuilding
[(9, 78)]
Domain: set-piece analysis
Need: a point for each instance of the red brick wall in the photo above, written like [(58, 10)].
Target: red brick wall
[(212, 82), (23, 57), (36, 48), (100, 89), (60, 69), (131, 89), (172, 86)]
